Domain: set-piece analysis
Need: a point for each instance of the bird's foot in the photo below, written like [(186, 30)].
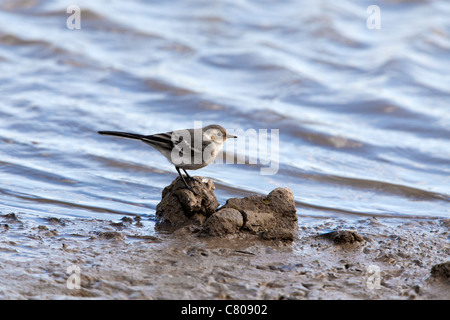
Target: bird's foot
[(191, 190), (194, 179), (189, 176)]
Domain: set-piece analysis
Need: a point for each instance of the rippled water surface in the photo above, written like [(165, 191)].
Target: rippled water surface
[(363, 114)]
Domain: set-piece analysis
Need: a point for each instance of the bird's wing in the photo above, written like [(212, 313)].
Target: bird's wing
[(181, 141), (160, 140)]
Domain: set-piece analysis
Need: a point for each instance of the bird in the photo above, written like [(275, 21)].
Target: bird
[(186, 149)]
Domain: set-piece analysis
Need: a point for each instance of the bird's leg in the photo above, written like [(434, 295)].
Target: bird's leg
[(185, 183), (189, 177)]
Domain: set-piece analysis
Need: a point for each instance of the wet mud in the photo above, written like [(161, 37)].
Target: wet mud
[(369, 259)]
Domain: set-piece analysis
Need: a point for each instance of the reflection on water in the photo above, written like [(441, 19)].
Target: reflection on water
[(363, 114)]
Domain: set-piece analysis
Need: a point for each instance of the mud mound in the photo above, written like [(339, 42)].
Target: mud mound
[(180, 207), (270, 217)]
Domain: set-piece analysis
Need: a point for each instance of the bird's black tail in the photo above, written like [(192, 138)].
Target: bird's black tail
[(122, 134)]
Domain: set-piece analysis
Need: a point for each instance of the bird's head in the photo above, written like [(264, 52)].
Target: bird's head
[(217, 133)]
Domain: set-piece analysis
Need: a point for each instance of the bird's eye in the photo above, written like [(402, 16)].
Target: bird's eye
[(219, 134)]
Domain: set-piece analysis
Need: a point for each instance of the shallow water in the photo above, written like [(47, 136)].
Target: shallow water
[(363, 114)]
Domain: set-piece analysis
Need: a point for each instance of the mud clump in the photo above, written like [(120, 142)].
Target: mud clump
[(56, 221), (441, 271), (225, 221), (343, 237), (271, 217), (180, 207), (12, 218), (111, 235)]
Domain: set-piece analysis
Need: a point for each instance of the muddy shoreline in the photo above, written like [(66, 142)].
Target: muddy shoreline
[(44, 258)]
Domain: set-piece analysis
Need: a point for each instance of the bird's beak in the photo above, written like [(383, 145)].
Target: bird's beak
[(230, 136)]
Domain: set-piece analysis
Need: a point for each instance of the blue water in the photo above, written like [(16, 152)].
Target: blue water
[(363, 115)]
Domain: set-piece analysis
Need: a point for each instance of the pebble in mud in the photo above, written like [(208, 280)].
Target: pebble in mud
[(343, 237)]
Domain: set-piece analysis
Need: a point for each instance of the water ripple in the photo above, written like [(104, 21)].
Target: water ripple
[(362, 114)]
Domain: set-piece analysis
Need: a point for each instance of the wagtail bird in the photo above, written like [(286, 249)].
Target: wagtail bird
[(188, 149)]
